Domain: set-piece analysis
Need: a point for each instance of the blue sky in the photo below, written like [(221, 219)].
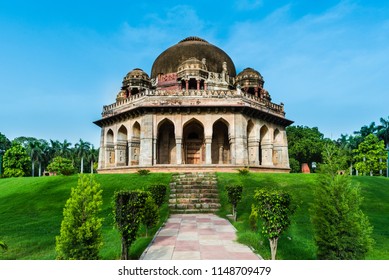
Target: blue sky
[(61, 61)]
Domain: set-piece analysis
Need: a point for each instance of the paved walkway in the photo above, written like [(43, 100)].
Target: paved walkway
[(197, 237)]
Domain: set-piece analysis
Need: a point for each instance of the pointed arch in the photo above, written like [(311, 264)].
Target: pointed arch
[(166, 142), (277, 136), (193, 142), (252, 145), (220, 147), (109, 148), (134, 147), (110, 136), (122, 133)]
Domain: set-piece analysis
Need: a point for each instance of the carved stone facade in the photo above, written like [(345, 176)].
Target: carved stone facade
[(193, 113)]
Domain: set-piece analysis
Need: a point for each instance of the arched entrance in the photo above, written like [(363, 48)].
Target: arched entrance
[(166, 143), (122, 146), (220, 144), (194, 149)]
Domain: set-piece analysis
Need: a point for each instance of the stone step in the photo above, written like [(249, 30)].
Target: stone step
[(194, 195), (193, 200), (195, 206)]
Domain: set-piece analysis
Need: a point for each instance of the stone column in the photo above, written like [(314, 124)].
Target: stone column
[(205, 85), (130, 153), (233, 152), (240, 140), (101, 163), (179, 150), (253, 151), (198, 84), (221, 148), (154, 152), (146, 141), (208, 151), (267, 154), (186, 85)]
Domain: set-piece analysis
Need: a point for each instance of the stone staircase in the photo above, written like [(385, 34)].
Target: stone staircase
[(194, 193)]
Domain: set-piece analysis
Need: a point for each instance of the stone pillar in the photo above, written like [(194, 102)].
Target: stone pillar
[(179, 150), (267, 154), (101, 163), (130, 153), (198, 84), (154, 152), (256, 91), (208, 150), (221, 148), (233, 152), (146, 142), (240, 140), (205, 85), (186, 85), (253, 151)]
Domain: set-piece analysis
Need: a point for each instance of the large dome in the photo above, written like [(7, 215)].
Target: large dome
[(192, 47)]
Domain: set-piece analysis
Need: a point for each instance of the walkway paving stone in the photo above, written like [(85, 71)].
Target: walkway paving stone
[(197, 237)]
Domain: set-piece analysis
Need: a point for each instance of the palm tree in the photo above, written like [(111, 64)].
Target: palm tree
[(35, 150), (383, 133), (65, 149), (82, 148), (93, 155), (54, 149)]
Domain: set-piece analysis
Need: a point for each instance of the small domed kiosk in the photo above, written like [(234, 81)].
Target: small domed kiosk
[(193, 113)]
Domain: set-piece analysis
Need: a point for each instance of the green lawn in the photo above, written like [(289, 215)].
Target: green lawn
[(31, 213), (297, 242)]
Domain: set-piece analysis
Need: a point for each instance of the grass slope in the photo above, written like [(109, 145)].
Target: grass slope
[(31, 213), (297, 242)]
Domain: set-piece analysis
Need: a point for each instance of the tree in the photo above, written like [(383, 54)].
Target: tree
[(5, 144), (342, 231), (65, 149), (234, 195), (61, 166), (383, 133), (92, 157), (128, 212), (305, 144), (151, 214), (16, 161), (80, 236), (36, 155), (274, 209), (370, 156), (82, 149), (158, 193)]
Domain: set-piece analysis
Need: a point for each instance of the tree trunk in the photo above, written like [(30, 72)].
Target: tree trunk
[(124, 249), (40, 169), (82, 165), (32, 169), (273, 247), (91, 167)]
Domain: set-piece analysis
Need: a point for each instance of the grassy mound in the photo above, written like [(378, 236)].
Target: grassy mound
[(31, 213), (297, 242)]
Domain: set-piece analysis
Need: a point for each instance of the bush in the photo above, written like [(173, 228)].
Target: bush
[(234, 193), (274, 209), (61, 166), (16, 161), (342, 231), (151, 214), (158, 193), (128, 212), (80, 236), (143, 172), (244, 171), (253, 218), (294, 166)]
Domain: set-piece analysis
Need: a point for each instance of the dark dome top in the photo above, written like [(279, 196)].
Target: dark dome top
[(169, 60)]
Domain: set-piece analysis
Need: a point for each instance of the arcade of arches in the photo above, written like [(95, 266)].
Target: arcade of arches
[(200, 140)]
